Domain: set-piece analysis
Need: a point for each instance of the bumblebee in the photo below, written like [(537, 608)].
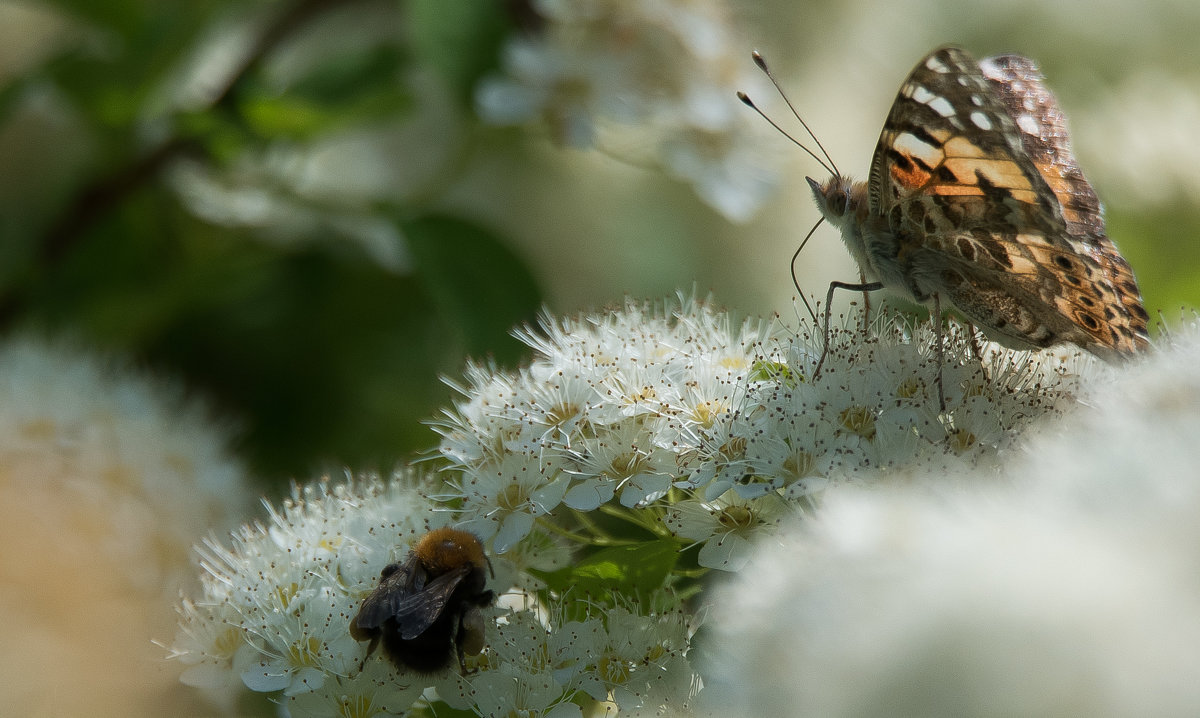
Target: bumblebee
[(426, 609)]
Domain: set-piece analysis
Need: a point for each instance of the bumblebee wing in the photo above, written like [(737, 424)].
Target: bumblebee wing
[(415, 612), (407, 579)]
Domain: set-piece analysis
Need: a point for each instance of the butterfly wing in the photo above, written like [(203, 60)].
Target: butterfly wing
[(950, 147), (974, 176), (1020, 87)]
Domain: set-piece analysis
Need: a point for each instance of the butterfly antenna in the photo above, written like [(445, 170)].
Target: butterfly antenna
[(750, 103), (831, 166), (795, 279)]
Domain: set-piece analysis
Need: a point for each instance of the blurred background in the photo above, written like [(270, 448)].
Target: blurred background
[(309, 210), (287, 219)]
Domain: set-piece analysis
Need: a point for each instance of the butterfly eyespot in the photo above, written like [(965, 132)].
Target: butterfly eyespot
[(965, 248)]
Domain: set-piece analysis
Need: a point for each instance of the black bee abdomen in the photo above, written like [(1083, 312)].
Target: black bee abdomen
[(429, 652), (438, 646)]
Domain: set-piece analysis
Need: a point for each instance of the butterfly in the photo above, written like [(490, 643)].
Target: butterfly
[(975, 199)]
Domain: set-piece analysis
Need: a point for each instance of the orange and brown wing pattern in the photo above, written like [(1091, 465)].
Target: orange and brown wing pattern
[(974, 176), (950, 157), (1042, 127), (1020, 87)]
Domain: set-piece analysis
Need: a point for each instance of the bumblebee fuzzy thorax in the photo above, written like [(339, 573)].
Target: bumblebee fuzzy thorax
[(445, 549)]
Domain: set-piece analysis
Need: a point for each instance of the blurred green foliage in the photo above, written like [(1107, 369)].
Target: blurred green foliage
[(287, 321), (1160, 245)]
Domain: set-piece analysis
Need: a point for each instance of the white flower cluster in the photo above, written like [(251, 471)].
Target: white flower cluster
[(667, 66), (637, 402), (277, 602), (694, 428), (1067, 588)]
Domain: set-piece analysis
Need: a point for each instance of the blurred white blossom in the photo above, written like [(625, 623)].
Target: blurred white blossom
[(107, 478), (131, 473), (666, 70), (1149, 117)]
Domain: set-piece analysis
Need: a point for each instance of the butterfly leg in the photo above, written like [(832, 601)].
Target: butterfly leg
[(976, 347), (864, 288), (862, 278), (941, 348)]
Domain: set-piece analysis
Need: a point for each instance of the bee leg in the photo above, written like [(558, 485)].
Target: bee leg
[(460, 634), (866, 287), (370, 649)]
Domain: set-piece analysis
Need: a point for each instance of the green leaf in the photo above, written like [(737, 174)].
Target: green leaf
[(774, 371), (478, 285), (462, 39), (341, 77), (345, 88), (630, 571), (322, 356), (142, 42)]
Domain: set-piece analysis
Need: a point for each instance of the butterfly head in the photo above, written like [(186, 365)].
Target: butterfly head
[(838, 199)]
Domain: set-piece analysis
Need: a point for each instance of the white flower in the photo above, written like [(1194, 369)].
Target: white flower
[(1133, 455), (277, 600), (635, 659), (304, 641), (978, 605), (211, 641), (628, 403), (354, 701), (666, 71), (630, 434), (729, 169), (620, 457), (725, 528), (501, 501), (499, 694), (480, 428)]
